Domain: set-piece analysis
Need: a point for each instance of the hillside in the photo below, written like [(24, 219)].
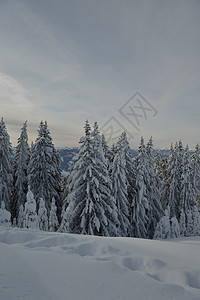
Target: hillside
[(40, 265)]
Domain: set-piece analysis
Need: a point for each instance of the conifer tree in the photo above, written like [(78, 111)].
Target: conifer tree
[(171, 190), (188, 196), (196, 221), (129, 168), (65, 192), (163, 171), (22, 157), (155, 208), (175, 228), (158, 169), (187, 192), (67, 218), (195, 165), (53, 220), (112, 153), (161, 175), (163, 228), (93, 209), (180, 161), (120, 187), (6, 167), (140, 205), (44, 170), (189, 222), (106, 149), (42, 216), (5, 216), (20, 219), (182, 223), (30, 214)]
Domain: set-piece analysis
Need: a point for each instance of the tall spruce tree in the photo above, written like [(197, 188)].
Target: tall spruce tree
[(196, 221), (140, 204), (129, 168), (53, 220), (44, 173), (180, 163), (5, 216), (92, 207), (106, 149), (113, 151), (120, 187), (42, 216), (20, 218), (21, 162), (158, 169), (164, 169), (64, 192), (195, 164), (188, 204), (30, 214), (187, 192), (171, 190), (156, 211), (163, 228), (6, 167)]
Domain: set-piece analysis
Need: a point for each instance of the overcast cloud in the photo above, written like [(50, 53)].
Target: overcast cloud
[(67, 61)]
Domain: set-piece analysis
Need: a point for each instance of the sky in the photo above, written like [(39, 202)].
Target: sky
[(129, 65)]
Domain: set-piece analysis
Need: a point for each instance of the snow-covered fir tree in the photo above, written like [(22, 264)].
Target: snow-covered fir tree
[(30, 214), (155, 208), (129, 168), (175, 228), (93, 210), (140, 204), (196, 221), (22, 157), (106, 149), (67, 217), (42, 216), (5, 216), (163, 228), (113, 151), (182, 223), (163, 176), (188, 196), (171, 190), (180, 161), (20, 219), (149, 151), (120, 187), (189, 222), (53, 220), (44, 171), (195, 164), (187, 192), (6, 168), (64, 192), (158, 169)]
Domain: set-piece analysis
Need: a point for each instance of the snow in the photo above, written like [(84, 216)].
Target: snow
[(47, 265)]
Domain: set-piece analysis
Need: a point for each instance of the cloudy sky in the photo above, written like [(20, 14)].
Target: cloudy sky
[(131, 65)]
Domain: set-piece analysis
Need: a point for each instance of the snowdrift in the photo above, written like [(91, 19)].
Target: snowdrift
[(43, 265)]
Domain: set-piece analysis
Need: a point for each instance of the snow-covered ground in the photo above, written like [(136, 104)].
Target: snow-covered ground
[(38, 265)]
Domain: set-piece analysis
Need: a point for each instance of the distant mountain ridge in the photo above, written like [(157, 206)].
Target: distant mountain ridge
[(67, 154)]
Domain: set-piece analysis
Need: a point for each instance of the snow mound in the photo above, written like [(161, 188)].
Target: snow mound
[(46, 265)]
